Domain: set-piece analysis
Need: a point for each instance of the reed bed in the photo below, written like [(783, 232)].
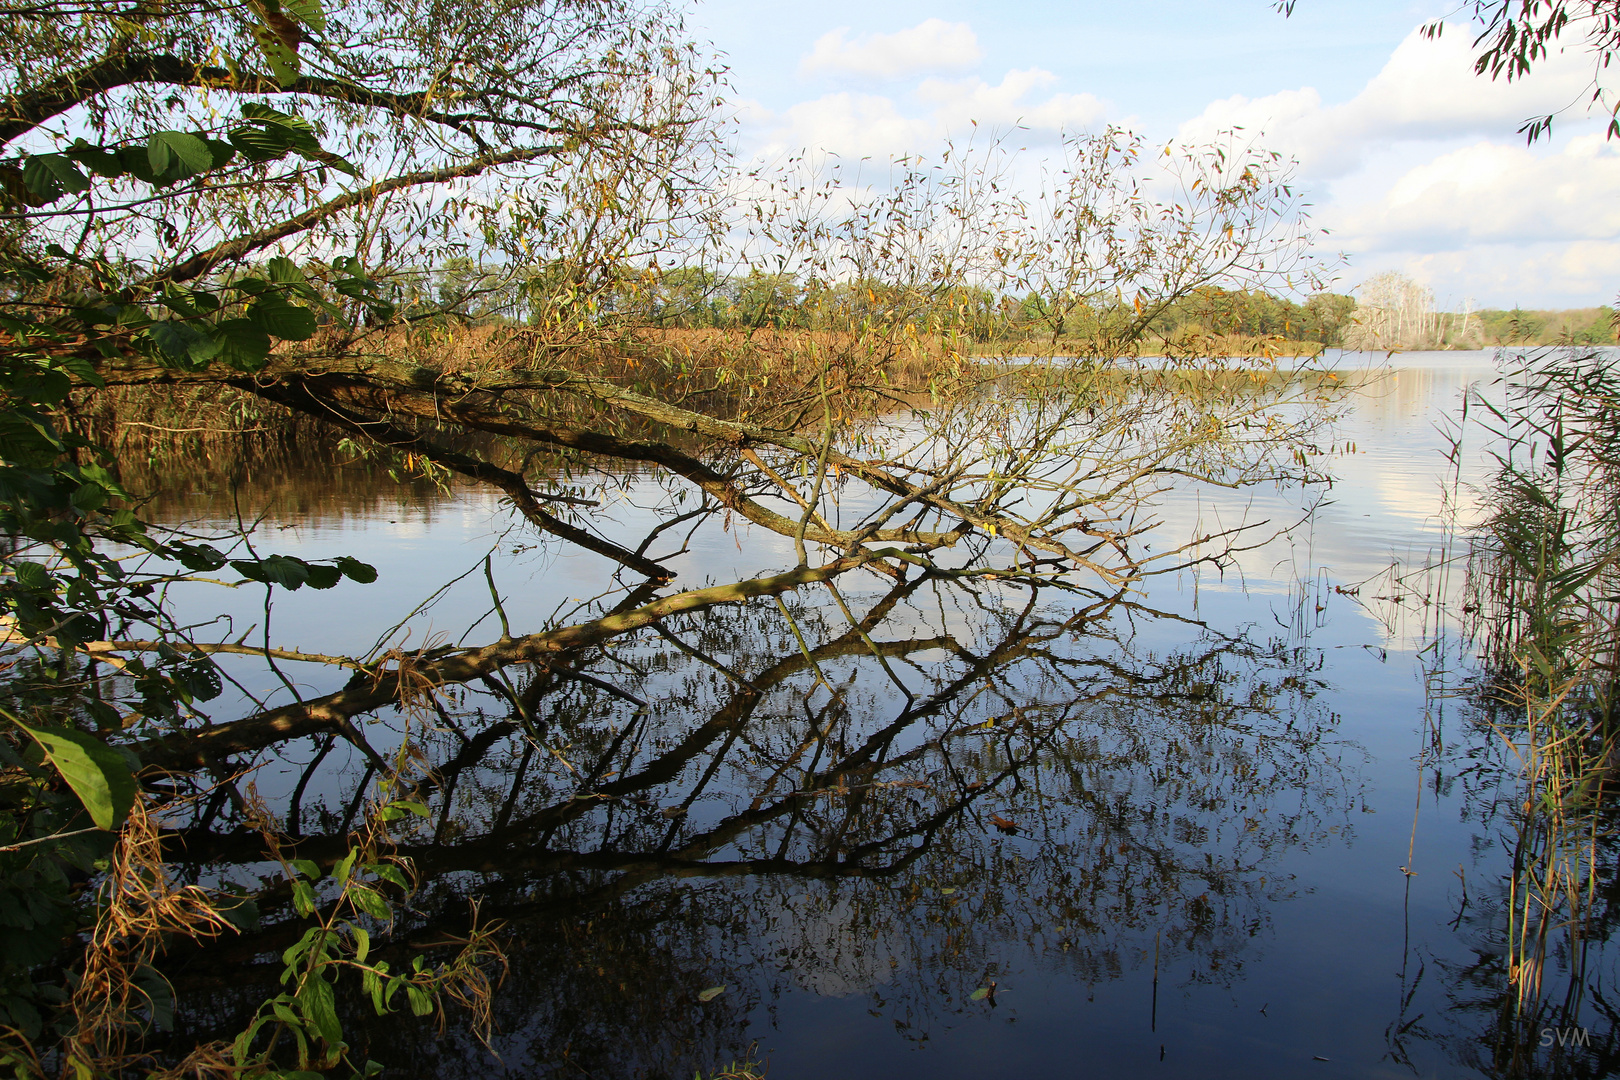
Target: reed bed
[(161, 432), (1542, 589)]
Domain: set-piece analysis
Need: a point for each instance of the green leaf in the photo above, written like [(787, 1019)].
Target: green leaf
[(204, 349), (98, 159), (980, 994), (316, 1002), (243, 1042), (421, 1003), (175, 338), (306, 867), (88, 498), (303, 898), (390, 873), (323, 576), (371, 902), (242, 344), (175, 154), (266, 143), (137, 162), (159, 997), (278, 318), (711, 993), (288, 571), (97, 774), (362, 944), (355, 570), (50, 176), (298, 951), (31, 575), (198, 556), (283, 271), (282, 132), (243, 913), (265, 114), (81, 368), (283, 60), (307, 12)]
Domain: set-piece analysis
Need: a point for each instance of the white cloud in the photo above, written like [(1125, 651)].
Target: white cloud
[(1493, 193), (855, 125), (851, 125), (1427, 90), (1420, 171), (1555, 275), (931, 46), (1429, 178), (956, 102)]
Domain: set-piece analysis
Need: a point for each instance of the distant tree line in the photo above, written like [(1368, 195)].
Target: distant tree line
[(1576, 326), (1394, 312), (700, 298)]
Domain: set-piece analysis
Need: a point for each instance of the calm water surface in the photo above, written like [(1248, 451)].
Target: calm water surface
[(1186, 833)]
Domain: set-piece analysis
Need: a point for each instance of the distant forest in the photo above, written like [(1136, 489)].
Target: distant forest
[(1577, 326), (1392, 312)]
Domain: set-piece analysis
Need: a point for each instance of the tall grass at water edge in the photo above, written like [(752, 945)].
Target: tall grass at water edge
[(1541, 608)]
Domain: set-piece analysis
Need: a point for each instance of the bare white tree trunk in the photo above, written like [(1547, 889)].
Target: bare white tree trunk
[(1394, 312)]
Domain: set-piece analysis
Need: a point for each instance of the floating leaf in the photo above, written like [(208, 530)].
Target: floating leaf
[(1006, 825), (711, 993), (980, 994)]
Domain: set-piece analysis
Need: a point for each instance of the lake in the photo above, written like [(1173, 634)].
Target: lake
[(1237, 824)]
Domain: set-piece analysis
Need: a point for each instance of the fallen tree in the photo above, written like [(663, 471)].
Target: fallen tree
[(563, 152)]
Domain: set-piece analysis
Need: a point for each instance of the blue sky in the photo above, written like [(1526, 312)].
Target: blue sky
[(1412, 162)]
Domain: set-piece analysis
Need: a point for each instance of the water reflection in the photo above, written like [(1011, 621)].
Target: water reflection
[(979, 784), (1567, 1024), (1520, 647), (1034, 785)]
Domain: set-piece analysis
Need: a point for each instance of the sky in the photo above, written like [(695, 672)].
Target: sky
[(1410, 161)]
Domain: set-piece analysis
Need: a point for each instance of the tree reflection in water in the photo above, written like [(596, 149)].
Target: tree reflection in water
[(1570, 1027), (893, 812)]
